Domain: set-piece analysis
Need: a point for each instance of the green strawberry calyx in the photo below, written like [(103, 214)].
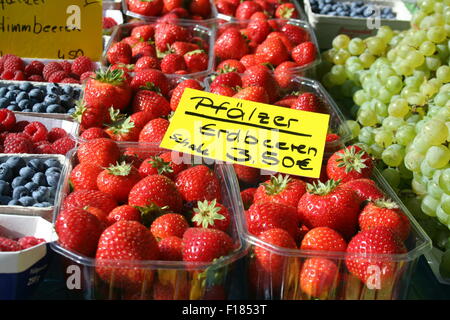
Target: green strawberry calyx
[(115, 115), (322, 188), (352, 160), (150, 212), (120, 169), (385, 204), (122, 127), (113, 77), (194, 52), (286, 12), (207, 213), (226, 69), (277, 184), (80, 108), (150, 86), (160, 165)]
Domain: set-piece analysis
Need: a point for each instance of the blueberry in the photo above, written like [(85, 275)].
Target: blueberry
[(4, 103), (3, 91), (27, 173), (52, 163), (328, 1), (55, 108), (51, 99), (71, 111), (53, 88), (40, 179), (5, 188), (13, 107), (25, 86), (25, 104), (32, 186), (52, 192), (66, 101), (27, 110), (6, 173), (15, 163), (4, 200), (326, 9), (27, 201), (20, 192), (359, 3), (11, 95), (39, 107), (42, 194), (368, 11), (36, 94), (19, 181), (53, 179), (22, 95), (52, 170), (13, 87), (332, 13), (14, 202), (68, 90), (46, 204), (76, 94), (37, 165)]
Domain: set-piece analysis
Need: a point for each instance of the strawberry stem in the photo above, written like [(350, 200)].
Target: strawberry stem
[(276, 184), (120, 169), (207, 213), (160, 165), (351, 160), (322, 189), (150, 213)]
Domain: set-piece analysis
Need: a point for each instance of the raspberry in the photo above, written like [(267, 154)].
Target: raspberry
[(30, 241), (94, 133), (51, 68), (66, 65), (37, 131), (13, 63), (34, 68), (63, 145), (7, 120), (36, 78), (108, 22), (86, 76), (81, 65), (55, 134), (57, 76), (19, 75), (69, 80), (18, 143), (20, 125), (7, 75), (43, 147), (3, 136), (9, 245)]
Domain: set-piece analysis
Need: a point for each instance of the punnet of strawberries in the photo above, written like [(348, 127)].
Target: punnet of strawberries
[(13, 67), (171, 9), (344, 230), (169, 46), (253, 9), (277, 43), (134, 204)]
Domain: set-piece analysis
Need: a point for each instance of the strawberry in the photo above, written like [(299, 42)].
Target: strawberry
[(9, 245), (349, 163), (323, 239), (284, 73), (78, 230), (146, 62), (286, 11), (171, 249), (385, 213), (318, 276), (99, 213), (225, 7), (230, 65), (85, 76), (272, 51), (92, 198), (211, 214), (330, 205), (308, 102), (154, 131), (125, 129), (150, 78), (179, 89), (108, 23), (257, 94), (198, 183), (258, 30), (156, 189), (119, 52), (167, 33), (7, 120), (222, 90), (34, 68), (143, 32), (181, 47), (84, 176), (260, 76), (142, 49), (295, 34), (367, 189), (249, 60), (230, 44), (230, 79), (117, 180), (245, 10), (151, 102), (248, 175), (94, 133), (196, 61), (169, 225), (247, 196), (304, 53), (369, 256), (36, 130), (205, 245), (172, 63), (281, 189), (161, 164), (55, 134), (108, 89), (146, 7), (29, 242), (169, 5), (123, 212), (102, 152), (125, 241), (201, 8)]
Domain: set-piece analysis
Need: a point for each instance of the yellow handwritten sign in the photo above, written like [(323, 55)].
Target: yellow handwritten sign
[(52, 29), (248, 133)]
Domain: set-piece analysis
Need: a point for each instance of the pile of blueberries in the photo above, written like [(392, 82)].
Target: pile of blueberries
[(29, 182), (50, 98), (356, 9)]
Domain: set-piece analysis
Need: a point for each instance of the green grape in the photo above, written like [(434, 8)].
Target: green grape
[(434, 190), (433, 111), (354, 128), (393, 155), (394, 84), (415, 58), (438, 156), (338, 75), (443, 74), (347, 89), (366, 59), (352, 60), (413, 160), (427, 48), (376, 150), (385, 33), (442, 216), (426, 170), (327, 81), (416, 19), (392, 55), (392, 176), (398, 108), (420, 144), (444, 181), (420, 124), (433, 62), (419, 186), (403, 50), (439, 7), (367, 117), (393, 123), (436, 131), (413, 118), (341, 56), (374, 89), (356, 46), (408, 91), (384, 138), (360, 96), (329, 55), (341, 41), (442, 51), (445, 203), (417, 99), (367, 135), (429, 88), (405, 134), (376, 46), (429, 205), (380, 108), (414, 81), (384, 95)]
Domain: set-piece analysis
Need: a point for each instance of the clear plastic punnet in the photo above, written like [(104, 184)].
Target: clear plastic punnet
[(168, 280)]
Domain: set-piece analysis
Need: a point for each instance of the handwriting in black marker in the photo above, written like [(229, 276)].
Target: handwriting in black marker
[(87, 2)]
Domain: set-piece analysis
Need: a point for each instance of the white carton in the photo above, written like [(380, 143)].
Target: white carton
[(22, 271)]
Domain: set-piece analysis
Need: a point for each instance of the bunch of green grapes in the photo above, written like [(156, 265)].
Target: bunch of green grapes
[(399, 82)]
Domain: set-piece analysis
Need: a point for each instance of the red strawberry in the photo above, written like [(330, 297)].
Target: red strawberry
[(222, 90), (152, 102), (143, 32), (385, 213), (146, 62), (37, 131), (162, 164), (55, 134), (154, 131), (173, 62), (323, 239), (308, 102), (34, 68), (230, 79), (249, 60), (225, 7), (246, 174), (179, 89), (150, 78), (167, 33), (305, 53), (205, 245), (121, 242), (29, 242), (92, 198), (78, 230), (258, 30), (365, 188), (230, 65), (272, 51), (94, 133), (108, 89), (124, 130), (196, 61), (369, 256), (171, 249), (330, 205), (257, 94), (181, 47), (169, 225), (84, 176), (145, 7), (286, 11), (99, 213), (169, 5), (198, 183), (260, 76), (7, 120), (119, 52), (118, 180), (318, 276), (295, 34), (284, 73), (9, 245), (102, 152), (156, 189), (142, 49), (245, 10), (123, 212), (247, 196), (281, 189), (108, 23), (230, 44), (210, 214), (201, 8), (349, 163)]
